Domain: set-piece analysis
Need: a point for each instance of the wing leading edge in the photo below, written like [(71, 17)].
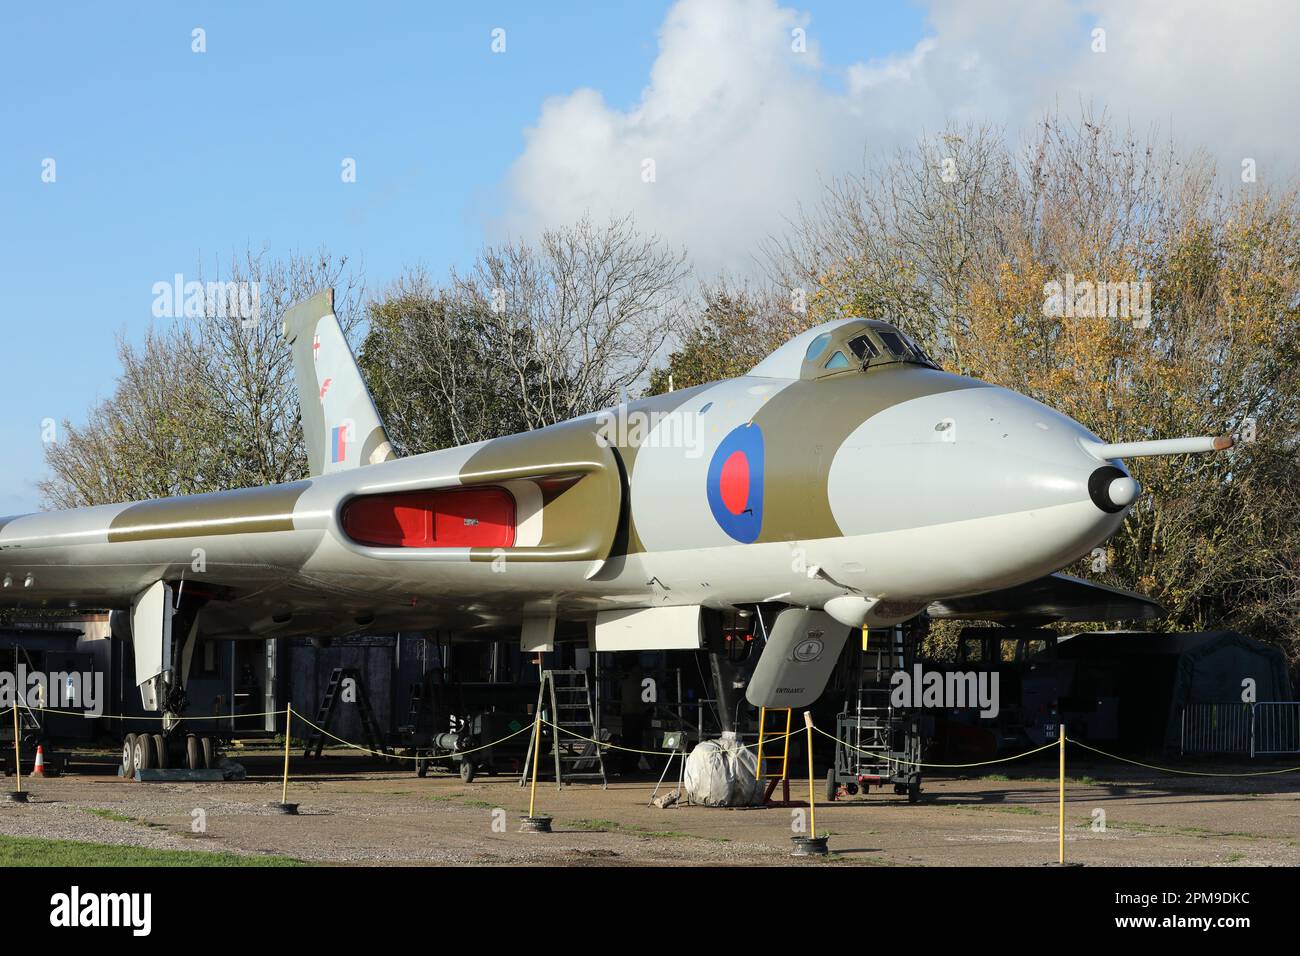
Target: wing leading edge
[(1057, 597)]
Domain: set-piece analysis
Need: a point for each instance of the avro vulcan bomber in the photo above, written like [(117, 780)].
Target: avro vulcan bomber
[(846, 481)]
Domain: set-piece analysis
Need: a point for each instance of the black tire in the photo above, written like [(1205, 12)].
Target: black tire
[(832, 785), (193, 753), (144, 755), (914, 791), (128, 755), (421, 766), (467, 771), (209, 753), (160, 752)]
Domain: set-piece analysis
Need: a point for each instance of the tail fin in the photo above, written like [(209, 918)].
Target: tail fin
[(339, 418)]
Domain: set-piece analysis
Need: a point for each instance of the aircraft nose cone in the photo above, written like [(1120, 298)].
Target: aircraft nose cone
[(1123, 491), (1112, 490)]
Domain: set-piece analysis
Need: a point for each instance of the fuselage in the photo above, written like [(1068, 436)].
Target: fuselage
[(900, 484)]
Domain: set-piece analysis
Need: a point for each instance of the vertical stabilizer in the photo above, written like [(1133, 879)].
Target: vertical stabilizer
[(339, 420)]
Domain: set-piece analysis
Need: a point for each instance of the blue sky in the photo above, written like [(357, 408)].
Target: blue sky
[(166, 158)]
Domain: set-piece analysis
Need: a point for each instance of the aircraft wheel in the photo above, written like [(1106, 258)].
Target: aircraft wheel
[(193, 753), (832, 785), (160, 751), (144, 757), (467, 770), (128, 756), (209, 753)]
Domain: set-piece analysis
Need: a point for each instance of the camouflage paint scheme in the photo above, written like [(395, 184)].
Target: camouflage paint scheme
[(897, 484)]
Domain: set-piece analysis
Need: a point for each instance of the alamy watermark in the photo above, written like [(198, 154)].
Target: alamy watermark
[(133, 911), (208, 300), (946, 690), (57, 690), (1091, 300), (623, 428)]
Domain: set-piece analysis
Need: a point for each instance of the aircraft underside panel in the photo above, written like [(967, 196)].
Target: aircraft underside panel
[(649, 629)]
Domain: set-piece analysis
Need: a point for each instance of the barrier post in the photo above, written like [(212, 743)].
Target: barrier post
[(1060, 844), (17, 796), (288, 809), (812, 844), (532, 822)]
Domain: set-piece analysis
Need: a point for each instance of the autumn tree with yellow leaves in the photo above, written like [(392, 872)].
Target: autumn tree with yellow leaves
[(1121, 281)]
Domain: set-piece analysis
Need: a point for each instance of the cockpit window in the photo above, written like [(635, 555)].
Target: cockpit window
[(904, 349), (894, 342), (838, 360), (859, 345), (863, 348), (817, 346)]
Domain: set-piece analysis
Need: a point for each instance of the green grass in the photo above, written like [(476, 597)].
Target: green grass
[(120, 818), (1027, 811), (1175, 830), (30, 851), (615, 827), (1084, 781)]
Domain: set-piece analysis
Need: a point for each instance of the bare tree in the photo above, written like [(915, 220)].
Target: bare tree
[(579, 319), (205, 402), (531, 335), (246, 368)]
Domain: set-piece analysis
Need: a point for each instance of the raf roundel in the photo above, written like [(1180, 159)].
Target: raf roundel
[(735, 483)]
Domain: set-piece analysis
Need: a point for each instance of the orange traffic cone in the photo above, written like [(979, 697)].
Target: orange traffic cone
[(39, 769)]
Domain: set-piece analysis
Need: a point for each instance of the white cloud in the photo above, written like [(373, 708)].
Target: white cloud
[(741, 128)]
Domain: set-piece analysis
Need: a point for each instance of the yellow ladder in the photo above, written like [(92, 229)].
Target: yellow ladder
[(772, 766)]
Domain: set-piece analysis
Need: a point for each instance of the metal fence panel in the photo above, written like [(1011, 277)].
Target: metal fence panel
[(1216, 729), (1277, 728), (1248, 730)]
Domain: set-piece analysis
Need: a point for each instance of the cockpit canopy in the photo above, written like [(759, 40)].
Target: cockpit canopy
[(836, 348)]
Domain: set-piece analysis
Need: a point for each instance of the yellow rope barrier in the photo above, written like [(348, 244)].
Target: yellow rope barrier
[(89, 716), (657, 753), (1189, 773), (666, 753), (812, 786), (537, 747), (381, 753), (18, 757), (1060, 846), (947, 766), (288, 726)]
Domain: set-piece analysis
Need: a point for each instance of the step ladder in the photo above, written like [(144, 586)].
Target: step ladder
[(774, 763), (329, 706), (415, 710), (564, 699), (29, 705)]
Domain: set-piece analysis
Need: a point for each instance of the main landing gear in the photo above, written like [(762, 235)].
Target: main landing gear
[(160, 752)]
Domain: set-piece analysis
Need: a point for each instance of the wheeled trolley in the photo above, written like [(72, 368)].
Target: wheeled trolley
[(876, 747)]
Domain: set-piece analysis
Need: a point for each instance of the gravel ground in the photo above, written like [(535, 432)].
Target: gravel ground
[(375, 814)]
